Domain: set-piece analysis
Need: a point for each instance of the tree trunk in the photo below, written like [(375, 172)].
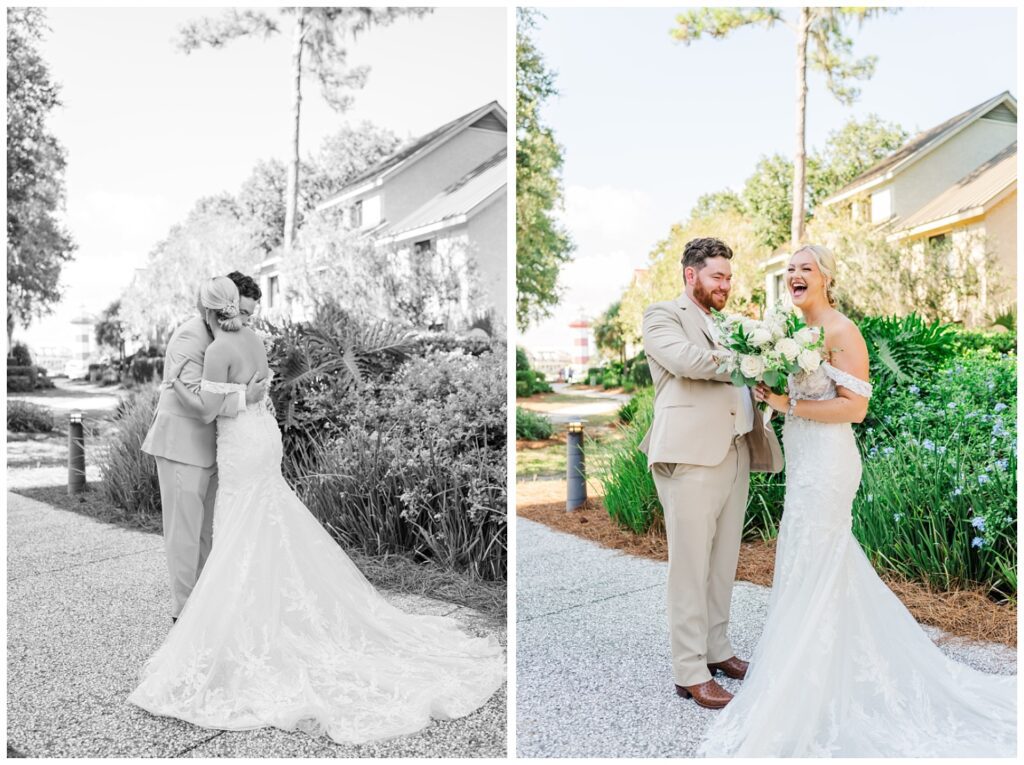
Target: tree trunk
[(800, 157), (292, 192)]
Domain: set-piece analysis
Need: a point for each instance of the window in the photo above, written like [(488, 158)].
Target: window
[(939, 240), (423, 247), (273, 289), (881, 206), (357, 214)]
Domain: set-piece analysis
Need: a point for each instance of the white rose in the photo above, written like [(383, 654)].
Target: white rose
[(788, 347), (761, 336), (750, 326), (808, 360), (806, 336), (751, 366)]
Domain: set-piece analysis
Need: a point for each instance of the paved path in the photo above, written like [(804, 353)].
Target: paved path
[(592, 675), (86, 605)]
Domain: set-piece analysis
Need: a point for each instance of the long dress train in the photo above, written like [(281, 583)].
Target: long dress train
[(283, 630), (842, 668)]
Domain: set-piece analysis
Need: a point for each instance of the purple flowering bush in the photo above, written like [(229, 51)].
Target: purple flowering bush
[(938, 499)]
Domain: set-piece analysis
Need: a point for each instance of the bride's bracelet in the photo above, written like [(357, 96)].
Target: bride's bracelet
[(791, 411)]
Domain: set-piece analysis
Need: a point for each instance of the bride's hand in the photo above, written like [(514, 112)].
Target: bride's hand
[(776, 401)]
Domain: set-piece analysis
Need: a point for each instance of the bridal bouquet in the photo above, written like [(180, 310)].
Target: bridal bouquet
[(768, 350)]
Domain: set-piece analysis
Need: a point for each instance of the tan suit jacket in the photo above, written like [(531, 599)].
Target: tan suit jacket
[(694, 404), (177, 433)]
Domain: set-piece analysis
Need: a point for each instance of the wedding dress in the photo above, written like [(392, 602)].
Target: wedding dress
[(842, 669), (283, 630)]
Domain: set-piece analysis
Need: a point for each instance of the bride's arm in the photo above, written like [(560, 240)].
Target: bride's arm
[(206, 405), (847, 406)]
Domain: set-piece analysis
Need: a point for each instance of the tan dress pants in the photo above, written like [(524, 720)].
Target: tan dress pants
[(704, 509), (187, 494)]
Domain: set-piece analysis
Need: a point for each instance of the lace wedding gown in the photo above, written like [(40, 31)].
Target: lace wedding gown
[(283, 630), (842, 669)]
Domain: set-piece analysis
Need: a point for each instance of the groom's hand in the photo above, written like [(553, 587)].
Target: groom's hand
[(254, 389)]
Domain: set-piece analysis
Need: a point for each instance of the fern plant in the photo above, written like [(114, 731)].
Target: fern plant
[(905, 348)]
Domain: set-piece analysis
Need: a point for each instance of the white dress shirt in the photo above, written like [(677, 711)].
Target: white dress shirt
[(744, 407)]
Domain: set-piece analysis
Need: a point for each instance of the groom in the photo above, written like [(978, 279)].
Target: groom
[(185, 448), (704, 440)]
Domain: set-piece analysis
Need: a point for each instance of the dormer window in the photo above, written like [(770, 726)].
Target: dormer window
[(357, 214)]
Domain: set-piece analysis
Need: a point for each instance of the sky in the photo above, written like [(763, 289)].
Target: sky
[(149, 130), (648, 125)]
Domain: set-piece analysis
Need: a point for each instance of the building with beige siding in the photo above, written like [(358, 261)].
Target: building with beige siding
[(955, 184)]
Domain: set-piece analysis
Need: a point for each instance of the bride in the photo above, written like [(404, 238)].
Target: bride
[(282, 629), (842, 668)]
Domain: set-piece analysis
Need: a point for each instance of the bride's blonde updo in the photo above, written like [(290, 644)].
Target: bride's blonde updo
[(220, 295), (826, 264)]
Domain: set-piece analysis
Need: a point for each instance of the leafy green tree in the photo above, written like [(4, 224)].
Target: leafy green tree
[(341, 157), (608, 333), (854, 148), (542, 245), (215, 238), (831, 52), (37, 245), (110, 329), (318, 37)]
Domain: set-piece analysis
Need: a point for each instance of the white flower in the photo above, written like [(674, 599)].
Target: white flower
[(761, 336), (806, 336), (750, 326), (788, 347), (808, 360), (751, 366)]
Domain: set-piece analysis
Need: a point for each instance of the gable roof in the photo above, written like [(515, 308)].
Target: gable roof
[(924, 142), (455, 203), (491, 115), (970, 194)]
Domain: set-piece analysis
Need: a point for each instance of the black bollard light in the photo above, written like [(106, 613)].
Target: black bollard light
[(576, 471), (76, 453)]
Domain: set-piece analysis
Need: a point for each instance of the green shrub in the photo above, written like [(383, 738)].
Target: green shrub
[(532, 426), (629, 494), (522, 362), (21, 379), (419, 466), (937, 501), (540, 383), (627, 411), (610, 379), (26, 417), (20, 356), (998, 342), (129, 475), (524, 384), (905, 348)]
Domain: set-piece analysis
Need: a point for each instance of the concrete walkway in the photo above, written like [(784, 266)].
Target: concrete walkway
[(86, 605), (592, 675)]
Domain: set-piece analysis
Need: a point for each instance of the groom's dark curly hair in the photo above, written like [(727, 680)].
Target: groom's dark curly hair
[(247, 286), (699, 250)]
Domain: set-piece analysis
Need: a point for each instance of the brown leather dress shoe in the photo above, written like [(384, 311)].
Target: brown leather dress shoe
[(734, 668), (709, 695)]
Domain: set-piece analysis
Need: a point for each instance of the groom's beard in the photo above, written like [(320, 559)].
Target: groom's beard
[(709, 299)]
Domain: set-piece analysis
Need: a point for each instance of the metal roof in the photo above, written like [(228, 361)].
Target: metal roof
[(924, 142), (460, 198), (972, 191), (417, 147)]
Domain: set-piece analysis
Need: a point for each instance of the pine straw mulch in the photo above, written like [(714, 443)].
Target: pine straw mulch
[(963, 613)]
